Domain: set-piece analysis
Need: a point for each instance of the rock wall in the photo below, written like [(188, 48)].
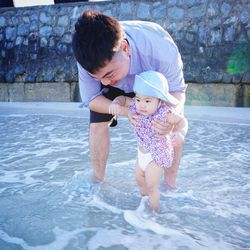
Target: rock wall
[(212, 35)]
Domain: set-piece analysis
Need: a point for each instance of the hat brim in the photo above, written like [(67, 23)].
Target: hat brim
[(171, 99), (142, 88)]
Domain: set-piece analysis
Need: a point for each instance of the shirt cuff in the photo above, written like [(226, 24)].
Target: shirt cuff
[(180, 89)]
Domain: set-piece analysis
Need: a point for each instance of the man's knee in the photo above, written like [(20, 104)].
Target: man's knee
[(99, 128)]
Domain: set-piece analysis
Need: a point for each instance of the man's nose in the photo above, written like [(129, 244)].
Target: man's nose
[(105, 81)]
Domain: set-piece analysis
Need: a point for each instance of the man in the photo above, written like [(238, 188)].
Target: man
[(109, 54)]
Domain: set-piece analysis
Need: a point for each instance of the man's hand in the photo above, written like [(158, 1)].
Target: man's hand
[(162, 128), (177, 138), (115, 109)]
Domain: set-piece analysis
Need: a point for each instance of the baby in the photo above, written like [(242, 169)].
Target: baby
[(154, 153)]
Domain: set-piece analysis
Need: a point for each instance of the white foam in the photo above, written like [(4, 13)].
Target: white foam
[(97, 202), (144, 239), (24, 177), (242, 231), (53, 165), (135, 220), (125, 163), (14, 240), (3, 189), (62, 239), (14, 115), (176, 194)]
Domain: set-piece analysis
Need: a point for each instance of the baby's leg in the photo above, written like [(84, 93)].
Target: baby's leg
[(153, 174), (140, 179)]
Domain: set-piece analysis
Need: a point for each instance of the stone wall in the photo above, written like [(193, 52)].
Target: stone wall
[(37, 63)]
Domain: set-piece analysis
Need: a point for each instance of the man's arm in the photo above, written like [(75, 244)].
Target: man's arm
[(181, 97), (179, 132), (101, 105), (182, 125), (179, 122), (123, 100), (90, 88), (163, 128)]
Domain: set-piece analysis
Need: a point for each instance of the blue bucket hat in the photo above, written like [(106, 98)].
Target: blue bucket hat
[(155, 84)]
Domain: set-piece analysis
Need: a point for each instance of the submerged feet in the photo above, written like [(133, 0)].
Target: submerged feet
[(144, 211), (96, 180), (170, 178)]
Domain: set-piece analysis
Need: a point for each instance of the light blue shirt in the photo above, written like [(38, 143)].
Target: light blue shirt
[(151, 48)]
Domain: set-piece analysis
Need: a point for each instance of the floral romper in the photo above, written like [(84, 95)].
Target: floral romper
[(160, 148)]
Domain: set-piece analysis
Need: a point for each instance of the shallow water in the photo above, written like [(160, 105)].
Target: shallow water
[(46, 201)]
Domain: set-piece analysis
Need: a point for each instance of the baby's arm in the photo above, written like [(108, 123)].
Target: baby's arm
[(118, 104)]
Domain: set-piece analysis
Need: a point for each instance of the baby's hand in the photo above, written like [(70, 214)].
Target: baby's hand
[(177, 139), (115, 108)]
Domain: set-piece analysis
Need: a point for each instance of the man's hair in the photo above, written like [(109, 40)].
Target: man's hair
[(95, 40)]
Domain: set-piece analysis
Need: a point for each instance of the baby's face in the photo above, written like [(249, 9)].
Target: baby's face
[(146, 105)]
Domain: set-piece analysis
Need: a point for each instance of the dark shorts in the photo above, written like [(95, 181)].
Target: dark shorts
[(111, 94)]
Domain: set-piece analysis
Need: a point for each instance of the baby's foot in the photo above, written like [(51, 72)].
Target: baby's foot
[(144, 211)]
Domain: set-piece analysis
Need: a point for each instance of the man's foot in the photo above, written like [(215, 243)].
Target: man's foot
[(96, 180), (170, 178)]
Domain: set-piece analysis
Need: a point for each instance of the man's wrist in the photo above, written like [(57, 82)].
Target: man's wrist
[(116, 102), (124, 111)]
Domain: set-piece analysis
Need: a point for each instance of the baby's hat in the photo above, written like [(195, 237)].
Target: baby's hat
[(155, 84)]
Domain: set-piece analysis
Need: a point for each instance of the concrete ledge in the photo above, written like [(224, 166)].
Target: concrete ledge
[(39, 92), (16, 92), (218, 94), (45, 92), (246, 97), (4, 96)]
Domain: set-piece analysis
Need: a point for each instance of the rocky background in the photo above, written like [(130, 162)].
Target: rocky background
[(37, 63)]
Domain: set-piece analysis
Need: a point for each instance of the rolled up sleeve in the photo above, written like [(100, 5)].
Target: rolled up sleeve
[(173, 70), (175, 76), (89, 87)]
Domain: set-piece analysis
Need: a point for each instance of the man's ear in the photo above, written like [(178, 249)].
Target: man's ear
[(125, 47)]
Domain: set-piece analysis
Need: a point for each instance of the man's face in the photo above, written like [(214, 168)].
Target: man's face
[(116, 69)]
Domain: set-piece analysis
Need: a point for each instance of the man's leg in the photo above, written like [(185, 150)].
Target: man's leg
[(99, 143), (171, 173), (99, 140)]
